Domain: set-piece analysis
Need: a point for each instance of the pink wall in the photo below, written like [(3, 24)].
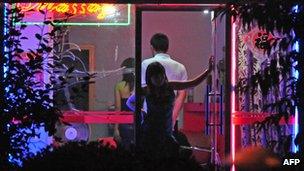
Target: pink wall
[(189, 35)]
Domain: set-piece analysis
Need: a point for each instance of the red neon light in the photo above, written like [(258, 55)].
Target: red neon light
[(101, 10), (233, 83), (207, 5)]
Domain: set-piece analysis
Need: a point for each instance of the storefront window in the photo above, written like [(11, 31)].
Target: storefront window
[(99, 40)]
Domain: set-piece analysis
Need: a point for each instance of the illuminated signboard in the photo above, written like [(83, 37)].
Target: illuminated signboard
[(86, 14)]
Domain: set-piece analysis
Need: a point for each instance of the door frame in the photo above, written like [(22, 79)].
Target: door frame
[(92, 95), (140, 8)]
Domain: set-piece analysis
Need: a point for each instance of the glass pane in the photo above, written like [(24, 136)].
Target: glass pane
[(98, 40)]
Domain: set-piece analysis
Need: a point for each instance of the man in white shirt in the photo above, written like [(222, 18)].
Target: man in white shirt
[(174, 70)]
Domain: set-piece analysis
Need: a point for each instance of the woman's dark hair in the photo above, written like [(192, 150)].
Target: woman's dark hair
[(157, 83), (128, 76)]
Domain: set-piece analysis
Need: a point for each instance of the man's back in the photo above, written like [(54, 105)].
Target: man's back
[(174, 70)]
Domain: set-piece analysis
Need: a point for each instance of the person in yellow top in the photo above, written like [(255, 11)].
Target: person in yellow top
[(124, 133)]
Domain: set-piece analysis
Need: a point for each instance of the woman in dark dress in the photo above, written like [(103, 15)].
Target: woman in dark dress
[(159, 94)]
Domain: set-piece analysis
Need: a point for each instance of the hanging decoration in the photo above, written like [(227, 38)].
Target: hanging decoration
[(258, 41)]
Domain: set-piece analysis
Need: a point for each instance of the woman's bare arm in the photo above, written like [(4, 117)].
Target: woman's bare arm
[(117, 108), (180, 85)]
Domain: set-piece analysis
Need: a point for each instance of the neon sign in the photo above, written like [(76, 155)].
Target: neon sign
[(76, 8), (94, 14)]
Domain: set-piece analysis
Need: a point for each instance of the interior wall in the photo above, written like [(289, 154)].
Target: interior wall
[(112, 45)]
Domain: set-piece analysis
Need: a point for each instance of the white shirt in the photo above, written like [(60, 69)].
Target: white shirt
[(175, 71)]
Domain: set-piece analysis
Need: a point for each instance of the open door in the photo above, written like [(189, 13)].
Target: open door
[(193, 37)]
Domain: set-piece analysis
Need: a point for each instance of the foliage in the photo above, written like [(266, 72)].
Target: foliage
[(28, 102), (281, 17), (94, 156)]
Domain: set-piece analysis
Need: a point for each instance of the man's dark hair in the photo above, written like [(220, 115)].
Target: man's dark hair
[(160, 42)]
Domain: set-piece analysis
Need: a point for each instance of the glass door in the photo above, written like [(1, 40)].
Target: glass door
[(192, 37)]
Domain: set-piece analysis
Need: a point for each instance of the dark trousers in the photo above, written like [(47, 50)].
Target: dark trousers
[(126, 134), (176, 127)]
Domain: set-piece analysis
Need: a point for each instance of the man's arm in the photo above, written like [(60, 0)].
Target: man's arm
[(143, 73), (179, 101), (181, 86), (180, 98)]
